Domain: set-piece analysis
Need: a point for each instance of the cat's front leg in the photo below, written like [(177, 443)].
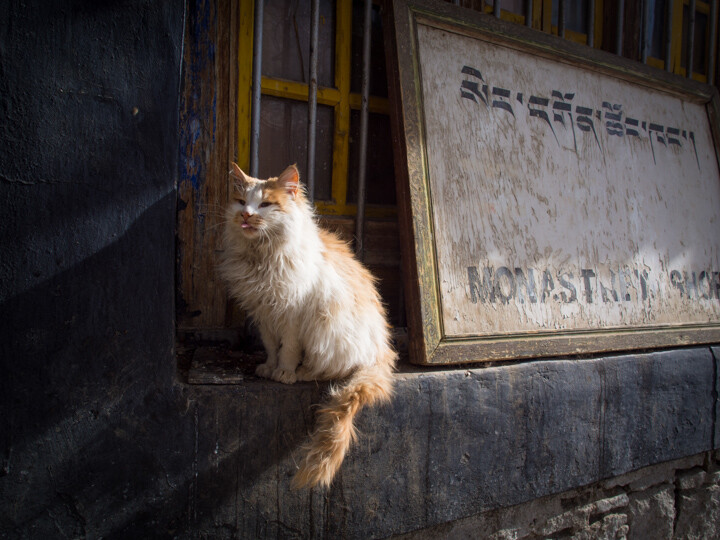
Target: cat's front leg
[(271, 342), (289, 358)]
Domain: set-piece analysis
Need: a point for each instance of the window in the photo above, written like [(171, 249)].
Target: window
[(672, 38), (286, 31), (545, 15), (215, 126), (701, 34), (663, 37), (215, 120), (283, 130)]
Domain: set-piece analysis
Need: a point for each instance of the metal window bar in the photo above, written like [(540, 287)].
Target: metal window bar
[(645, 41), (591, 23), (312, 97), (364, 114), (711, 42), (561, 18), (528, 12), (690, 41), (256, 79), (668, 36), (496, 8), (619, 27)]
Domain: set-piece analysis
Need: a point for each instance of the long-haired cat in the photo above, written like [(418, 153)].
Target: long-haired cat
[(317, 309)]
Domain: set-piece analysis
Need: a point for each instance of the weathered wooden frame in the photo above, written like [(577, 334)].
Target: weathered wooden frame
[(428, 342)]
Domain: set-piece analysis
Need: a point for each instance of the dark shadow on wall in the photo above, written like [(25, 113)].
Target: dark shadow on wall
[(98, 436), (87, 379)]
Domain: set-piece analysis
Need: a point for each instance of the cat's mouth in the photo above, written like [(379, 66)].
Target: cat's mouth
[(247, 228)]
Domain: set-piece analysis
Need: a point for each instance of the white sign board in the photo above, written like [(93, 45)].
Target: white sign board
[(563, 201)]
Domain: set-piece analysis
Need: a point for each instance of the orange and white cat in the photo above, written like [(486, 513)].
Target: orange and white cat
[(317, 309)]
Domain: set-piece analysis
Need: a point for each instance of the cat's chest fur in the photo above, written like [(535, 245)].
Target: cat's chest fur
[(273, 279)]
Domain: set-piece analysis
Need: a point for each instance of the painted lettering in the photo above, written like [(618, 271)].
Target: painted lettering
[(525, 286), (566, 282), (504, 288), (474, 88), (480, 289), (547, 285), (587, 275), (513, 284)]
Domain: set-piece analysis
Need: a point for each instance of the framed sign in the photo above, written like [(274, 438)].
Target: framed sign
[(555, 199)]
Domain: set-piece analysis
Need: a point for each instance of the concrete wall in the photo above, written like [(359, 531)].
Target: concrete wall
[(100, 436)]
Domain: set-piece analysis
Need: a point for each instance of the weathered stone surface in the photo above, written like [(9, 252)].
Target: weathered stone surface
[(691, 479), (597, 512), (611, 527), (579, 518), (698, 513), (519, 432), (654, 475), (651, 513)]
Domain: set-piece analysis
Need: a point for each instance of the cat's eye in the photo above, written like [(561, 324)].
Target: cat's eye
[(265, 204), (241, 201)]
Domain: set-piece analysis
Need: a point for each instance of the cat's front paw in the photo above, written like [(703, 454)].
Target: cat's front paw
[(283, 375), (303, 374), (264, 370)]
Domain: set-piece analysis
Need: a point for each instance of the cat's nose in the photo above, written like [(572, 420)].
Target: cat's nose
[(246, 215)]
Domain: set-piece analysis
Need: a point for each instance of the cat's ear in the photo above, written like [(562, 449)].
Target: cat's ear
[(237, 173), (289, 180)]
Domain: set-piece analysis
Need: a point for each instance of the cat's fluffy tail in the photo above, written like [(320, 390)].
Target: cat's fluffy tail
[(334, 429)]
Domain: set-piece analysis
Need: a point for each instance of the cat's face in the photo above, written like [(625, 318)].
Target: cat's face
[(260, 207)]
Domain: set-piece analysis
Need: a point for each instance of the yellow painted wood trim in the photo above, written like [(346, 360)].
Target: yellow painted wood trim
[(547, 16), (298, 91), (341, 137), (327, 208), (244, 83), (696, 76), (512, 17), (516, 18), (571, 35), (537, 15), (676, 37), (375, 104), (656, 62)]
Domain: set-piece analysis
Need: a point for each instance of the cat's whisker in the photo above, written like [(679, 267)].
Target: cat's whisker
[(219, 224), (212, 212), (219, 211)]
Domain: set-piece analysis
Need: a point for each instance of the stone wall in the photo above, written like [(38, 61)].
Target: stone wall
[(678, 499)]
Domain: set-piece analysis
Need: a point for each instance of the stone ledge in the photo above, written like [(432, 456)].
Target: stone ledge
[(457, 442), (654, 475)]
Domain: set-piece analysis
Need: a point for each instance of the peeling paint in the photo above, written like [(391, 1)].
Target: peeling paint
[(199, 108)]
